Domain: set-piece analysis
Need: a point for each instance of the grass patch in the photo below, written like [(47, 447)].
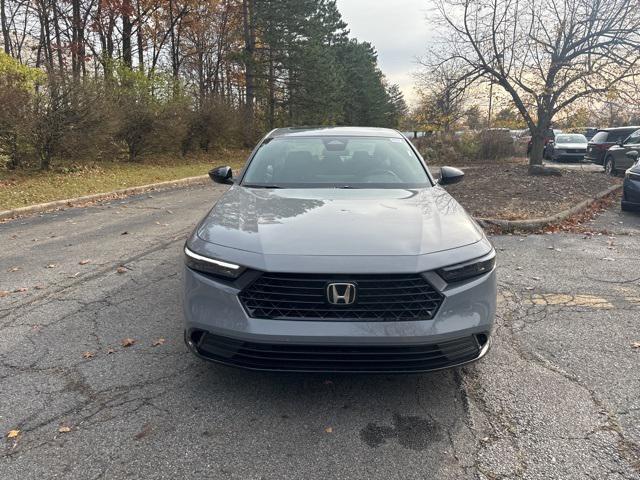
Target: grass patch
[(23, 188)]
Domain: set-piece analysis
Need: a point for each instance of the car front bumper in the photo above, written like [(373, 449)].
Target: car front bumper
[(568, 157), (218, 328)]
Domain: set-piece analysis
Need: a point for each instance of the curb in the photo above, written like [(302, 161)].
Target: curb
[(71, 202), (537, 223)]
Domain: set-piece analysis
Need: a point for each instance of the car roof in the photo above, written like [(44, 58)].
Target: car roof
[(616, 129), (325, 131)]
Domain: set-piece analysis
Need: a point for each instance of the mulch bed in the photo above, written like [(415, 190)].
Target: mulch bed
[(505, 190)]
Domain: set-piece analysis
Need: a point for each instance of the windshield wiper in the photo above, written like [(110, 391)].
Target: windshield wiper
[(249, 185)]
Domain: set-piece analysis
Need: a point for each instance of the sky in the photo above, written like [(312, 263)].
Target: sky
[(397, 29)]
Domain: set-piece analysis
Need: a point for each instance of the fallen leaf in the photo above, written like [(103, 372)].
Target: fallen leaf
[(14, 269), (13, 433), (20, 290), (146, 430), (329, 429), (158, 342), (3, 293), (111, 350), (51, 265), (87, 354), (64, 429), (127, 342), (84, 262), (635, 345), (121, 270)]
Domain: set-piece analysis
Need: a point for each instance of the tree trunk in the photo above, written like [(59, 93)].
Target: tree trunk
[(76, 40), (127, 29), (140, 38), (5, 29), (537, 147), (249, 48), (56, 29), (272, 92)]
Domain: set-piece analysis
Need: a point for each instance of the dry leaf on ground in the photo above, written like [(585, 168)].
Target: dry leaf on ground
[(121, 270), (3, 293), (51, 265), (111, 350), (84, 262), (635, 345), (14, 269), (87, 354), (20, 290), (158, 342), (64, 429), (329, 429), (127, 342), (13, 433)]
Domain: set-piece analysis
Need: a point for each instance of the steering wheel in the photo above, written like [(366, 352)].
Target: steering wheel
[(384, 172)]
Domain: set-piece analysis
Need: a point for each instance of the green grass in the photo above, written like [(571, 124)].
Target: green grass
[(23, 188)]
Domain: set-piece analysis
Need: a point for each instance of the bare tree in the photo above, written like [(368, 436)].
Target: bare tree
[(443, 93), (546, 54)]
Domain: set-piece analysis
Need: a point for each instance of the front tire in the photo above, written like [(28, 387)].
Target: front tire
[(609, 166)]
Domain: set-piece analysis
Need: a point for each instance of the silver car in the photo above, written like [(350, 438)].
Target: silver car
[(335, 249), (568, 147)]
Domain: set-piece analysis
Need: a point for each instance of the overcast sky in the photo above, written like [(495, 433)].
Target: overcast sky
[(397, 29)]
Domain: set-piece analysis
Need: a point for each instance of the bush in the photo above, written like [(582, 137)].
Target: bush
[(495, 143), (441, 148), (17, 92)]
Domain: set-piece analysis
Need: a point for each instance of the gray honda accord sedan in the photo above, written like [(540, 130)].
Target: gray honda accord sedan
[(335, 249)]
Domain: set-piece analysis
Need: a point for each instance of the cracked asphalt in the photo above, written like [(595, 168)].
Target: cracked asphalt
[(557, 397)]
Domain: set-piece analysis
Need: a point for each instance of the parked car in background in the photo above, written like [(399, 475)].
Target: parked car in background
[(549, 136), (589, 132), (567, 147), (604, 139), (616, 158), (631, 185)]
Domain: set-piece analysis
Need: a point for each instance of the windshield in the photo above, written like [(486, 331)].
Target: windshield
[(577, 138), (346, 162)]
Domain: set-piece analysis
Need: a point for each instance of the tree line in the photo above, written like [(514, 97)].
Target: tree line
[(122, 78)]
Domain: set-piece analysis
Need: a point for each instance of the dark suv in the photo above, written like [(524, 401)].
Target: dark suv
[(605, 139), (616, 158)]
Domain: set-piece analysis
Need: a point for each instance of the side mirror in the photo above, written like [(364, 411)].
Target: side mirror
[(449, 175), (632, 155), (222, 175)]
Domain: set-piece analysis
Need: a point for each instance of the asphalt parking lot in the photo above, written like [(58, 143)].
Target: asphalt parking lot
[(556, 397)]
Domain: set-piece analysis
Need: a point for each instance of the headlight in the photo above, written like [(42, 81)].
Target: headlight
[(212, 266), (464, 271), (633, 176)]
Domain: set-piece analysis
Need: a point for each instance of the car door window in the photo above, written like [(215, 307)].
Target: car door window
[(633, 139)]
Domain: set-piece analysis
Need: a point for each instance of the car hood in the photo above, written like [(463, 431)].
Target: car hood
[(339, 221), (570, 145)]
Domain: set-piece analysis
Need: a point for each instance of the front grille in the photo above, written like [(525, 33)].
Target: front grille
[(337, 358), (378, 297), (576, 150)]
